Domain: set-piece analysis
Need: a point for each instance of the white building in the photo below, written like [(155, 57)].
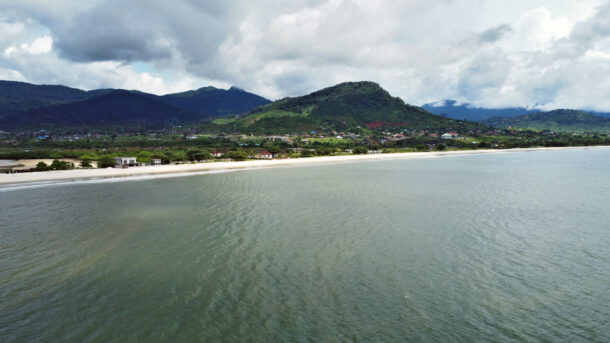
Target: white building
[(126, 162), (155, 161)]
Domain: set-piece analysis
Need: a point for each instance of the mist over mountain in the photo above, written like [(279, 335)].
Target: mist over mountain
[(465, 111), (452, 109), (562, 120)]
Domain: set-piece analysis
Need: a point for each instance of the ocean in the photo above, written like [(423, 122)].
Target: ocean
[(478, 248)]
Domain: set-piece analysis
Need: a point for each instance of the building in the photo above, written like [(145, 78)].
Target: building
[(126, 162), (155, 161), (217, 154), (264, 154), (450, 135)]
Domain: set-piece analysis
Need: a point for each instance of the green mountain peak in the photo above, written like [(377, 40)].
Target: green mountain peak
[(343, 106)]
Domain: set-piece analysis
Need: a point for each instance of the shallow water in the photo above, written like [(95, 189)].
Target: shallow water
[(6, 163), (508, 247)]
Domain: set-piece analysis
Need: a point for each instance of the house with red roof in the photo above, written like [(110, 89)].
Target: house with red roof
[(264, 155), (217, 154)]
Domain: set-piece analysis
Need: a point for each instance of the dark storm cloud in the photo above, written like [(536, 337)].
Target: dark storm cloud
[(145, 30)]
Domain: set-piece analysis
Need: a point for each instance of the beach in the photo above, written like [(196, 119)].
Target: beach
[(95, 173), (24, 164)]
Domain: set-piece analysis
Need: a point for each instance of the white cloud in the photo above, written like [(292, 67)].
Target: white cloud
[(8, 74), (537, 29), (522, 53), (40, 45)]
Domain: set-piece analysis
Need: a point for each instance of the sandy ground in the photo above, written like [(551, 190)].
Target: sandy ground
[(77, 174), (31, 163)]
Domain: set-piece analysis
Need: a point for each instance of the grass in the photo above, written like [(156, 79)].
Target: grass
[(328, 140), (223, 121)]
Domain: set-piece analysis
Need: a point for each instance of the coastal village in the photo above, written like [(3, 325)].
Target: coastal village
[(38, 150)]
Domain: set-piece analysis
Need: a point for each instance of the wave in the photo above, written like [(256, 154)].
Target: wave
[(143, 177)]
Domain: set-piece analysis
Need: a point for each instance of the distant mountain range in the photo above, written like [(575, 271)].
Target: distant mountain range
[(451, 109), (348, 105), (25, 106), (344, 106), (557, 120)]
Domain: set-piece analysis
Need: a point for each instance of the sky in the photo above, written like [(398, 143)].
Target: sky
[(490, 53)]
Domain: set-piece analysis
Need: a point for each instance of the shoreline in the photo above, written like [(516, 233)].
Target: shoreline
[(186, 169)]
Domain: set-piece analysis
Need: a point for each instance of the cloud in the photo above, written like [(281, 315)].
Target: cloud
[(495, 33), (486, 72), (40, 45), (532, 53)]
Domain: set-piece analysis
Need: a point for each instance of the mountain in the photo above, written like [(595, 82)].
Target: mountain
[(117, 108), (214, 102), (21, 96), (557, 120), (46, 93), (599, 114), (344, 106), (451, 109), (20, 102)]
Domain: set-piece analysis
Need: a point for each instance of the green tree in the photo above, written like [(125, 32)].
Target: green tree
[(322, 151), (441, 147), (361, 150), (236, 155), (85, 164), (198, 155), (105, 162), (41, 166), (307, 153), (61, 165), (421, 146), (272, 148)]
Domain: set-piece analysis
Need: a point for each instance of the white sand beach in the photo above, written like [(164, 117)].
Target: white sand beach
[(80, 174), (31, 162)]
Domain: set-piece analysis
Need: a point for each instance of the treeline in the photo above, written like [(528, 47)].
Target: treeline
[(59, 165)]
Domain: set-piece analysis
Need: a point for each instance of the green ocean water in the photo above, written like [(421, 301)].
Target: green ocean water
[(484, 248)]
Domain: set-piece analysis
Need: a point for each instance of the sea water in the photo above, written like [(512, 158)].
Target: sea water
[(480, 248)]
